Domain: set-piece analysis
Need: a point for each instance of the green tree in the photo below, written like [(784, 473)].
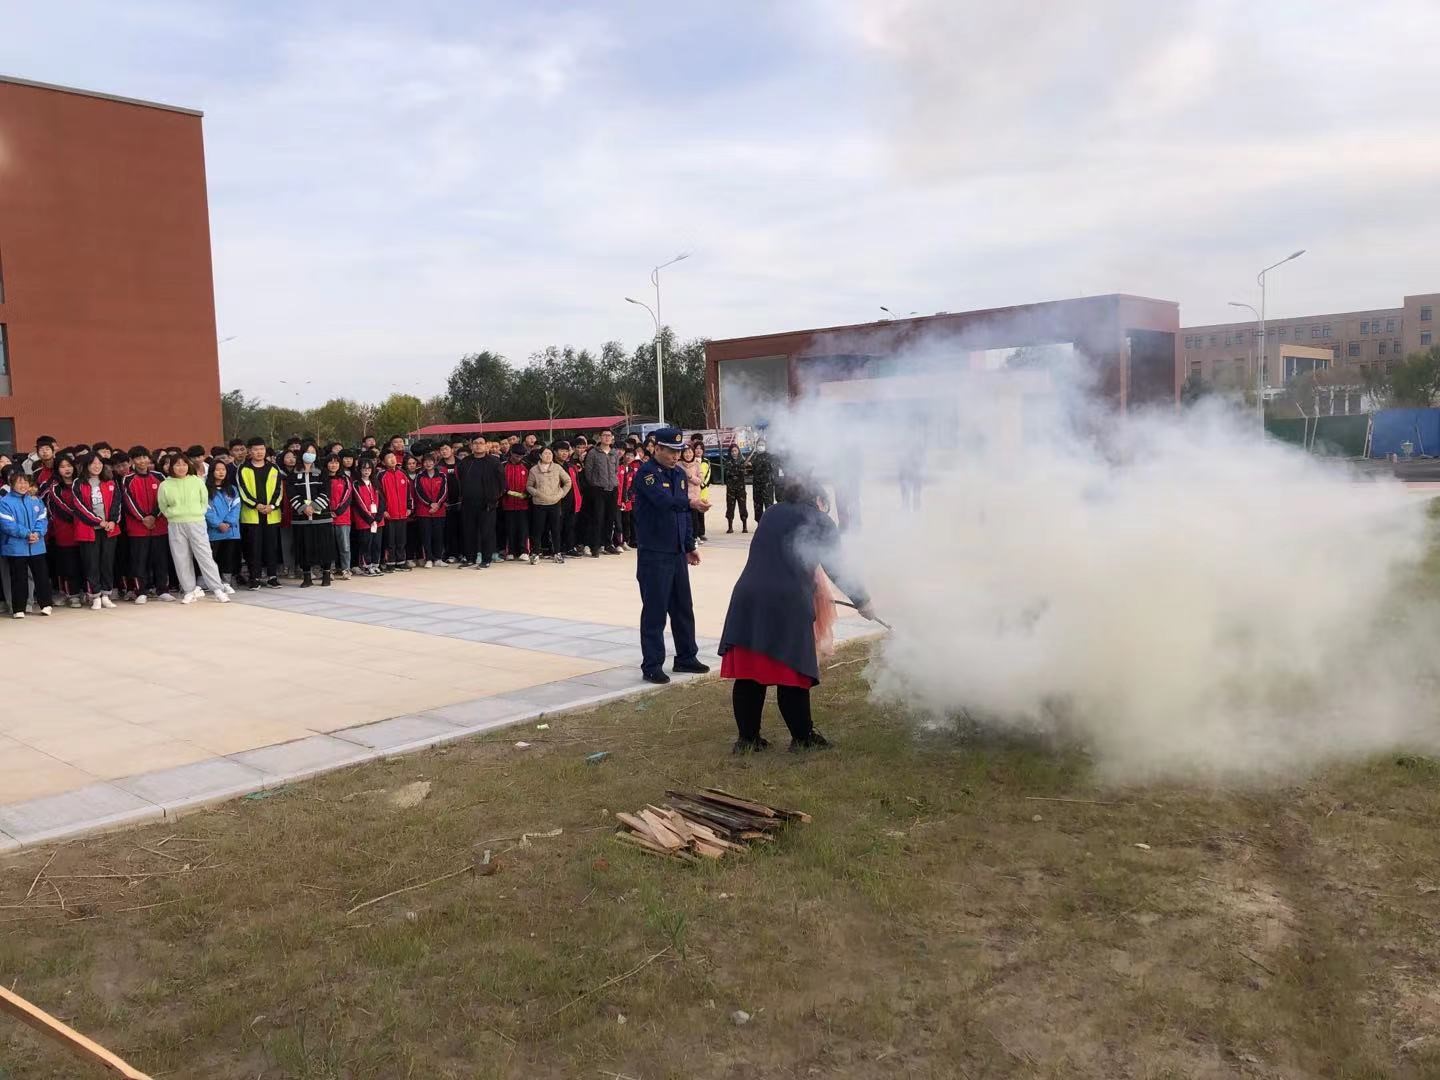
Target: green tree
[(398, 414), (1194, 389), (1414, 382), (478, 388), (238, 414), (339, 420)]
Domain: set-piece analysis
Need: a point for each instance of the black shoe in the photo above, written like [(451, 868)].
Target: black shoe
[(594, 554), (744, 528), (273, 583), (325, 578), (254, 586), (730, 530), (612, 550), (814, 741), (307, 582), (659, 678), (690, 667), (750, 746), (483, 565)]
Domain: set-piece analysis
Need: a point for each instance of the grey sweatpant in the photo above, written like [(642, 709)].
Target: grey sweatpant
[(190, 546)]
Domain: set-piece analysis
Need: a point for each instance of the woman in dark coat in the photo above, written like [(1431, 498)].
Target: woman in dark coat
[(769, 636)]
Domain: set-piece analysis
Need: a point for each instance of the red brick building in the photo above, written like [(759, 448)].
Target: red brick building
[(107, 303)]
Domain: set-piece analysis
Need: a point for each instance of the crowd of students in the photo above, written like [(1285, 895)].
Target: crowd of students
[(90, 525)]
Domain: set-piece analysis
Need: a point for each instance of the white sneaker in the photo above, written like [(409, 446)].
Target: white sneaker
[(105, 601), (47, 610), (429, 564), (229, 589), (169, 598), (95, 604), (221, 597), (18, 615), (188, 598), (140, 598)]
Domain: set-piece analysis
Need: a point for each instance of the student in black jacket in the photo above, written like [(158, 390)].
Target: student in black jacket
[(481, 480), (308, 489)]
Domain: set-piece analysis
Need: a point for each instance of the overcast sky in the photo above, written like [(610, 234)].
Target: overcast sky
[(393, 185)]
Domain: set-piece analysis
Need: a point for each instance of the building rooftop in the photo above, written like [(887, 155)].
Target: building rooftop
[(96, 94)]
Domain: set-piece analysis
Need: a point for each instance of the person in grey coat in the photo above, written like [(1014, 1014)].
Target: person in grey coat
[(599, 503), (769, 635)]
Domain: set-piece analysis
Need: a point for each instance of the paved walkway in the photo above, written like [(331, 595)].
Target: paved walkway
[(141, 713)]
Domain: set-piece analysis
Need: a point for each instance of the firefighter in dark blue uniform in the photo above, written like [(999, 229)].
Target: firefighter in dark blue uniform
[(666, 550)]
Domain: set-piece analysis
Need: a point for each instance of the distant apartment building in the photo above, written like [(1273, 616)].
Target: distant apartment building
[(1351, 342)]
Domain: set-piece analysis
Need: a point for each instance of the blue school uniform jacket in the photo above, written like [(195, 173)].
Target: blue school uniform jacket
[(21, 515), (224, 506)]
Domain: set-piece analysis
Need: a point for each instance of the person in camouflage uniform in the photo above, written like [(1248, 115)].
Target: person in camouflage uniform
[(762, 479), (735, 490)]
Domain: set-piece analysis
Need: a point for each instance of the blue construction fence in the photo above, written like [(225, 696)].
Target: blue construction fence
[(1395, 427)]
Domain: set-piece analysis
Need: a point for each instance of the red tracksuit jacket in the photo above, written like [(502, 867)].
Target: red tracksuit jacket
[(367, 494), (431, 489), (342, 493), (86, 523), (59, 501), (140, 496), (516, 475), (399, 494)]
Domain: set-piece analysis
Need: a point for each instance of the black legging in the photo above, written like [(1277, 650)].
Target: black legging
[(748, 698), (545, 526)]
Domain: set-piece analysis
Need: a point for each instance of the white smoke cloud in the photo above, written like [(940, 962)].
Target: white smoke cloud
[(1179, 595)]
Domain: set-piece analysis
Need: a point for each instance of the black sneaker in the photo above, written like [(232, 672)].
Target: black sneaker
[(815, 741), (659, 678), (612, 550), (690, 667), (750, 746), (254, 586), (307, 582), (273, 583)]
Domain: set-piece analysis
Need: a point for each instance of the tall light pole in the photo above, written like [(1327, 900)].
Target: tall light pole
[(1260, 321), (1260, 376), (895, 314), (659, 345)]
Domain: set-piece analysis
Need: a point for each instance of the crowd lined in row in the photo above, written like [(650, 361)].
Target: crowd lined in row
[(90, 525)]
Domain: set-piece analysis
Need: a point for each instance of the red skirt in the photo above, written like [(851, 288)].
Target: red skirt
[(742, 663)]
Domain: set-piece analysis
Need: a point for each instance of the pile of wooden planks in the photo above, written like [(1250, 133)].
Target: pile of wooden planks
[(703, 824)]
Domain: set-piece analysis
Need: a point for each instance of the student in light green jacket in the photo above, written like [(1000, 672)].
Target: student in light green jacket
[(182, 498)]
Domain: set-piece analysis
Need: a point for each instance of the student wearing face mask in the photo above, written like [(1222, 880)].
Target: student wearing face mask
[(308, 490)]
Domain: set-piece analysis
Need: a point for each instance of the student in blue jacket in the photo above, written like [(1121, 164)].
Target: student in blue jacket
[(222, 521), (23, 524)]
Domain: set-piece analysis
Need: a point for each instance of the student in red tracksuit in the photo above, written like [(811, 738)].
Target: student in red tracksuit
[(367, 510), (516, 505), (95, 497), (570, 505), (58, 501), (342, 494), (629, 466), (399, 507), (145, 529), (432, 496)]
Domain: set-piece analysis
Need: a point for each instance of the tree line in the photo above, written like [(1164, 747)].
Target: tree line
[(486, 387)]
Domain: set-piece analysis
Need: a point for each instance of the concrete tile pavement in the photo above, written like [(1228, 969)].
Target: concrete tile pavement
[(140, 713)]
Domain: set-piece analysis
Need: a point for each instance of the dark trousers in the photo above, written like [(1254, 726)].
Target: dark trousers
[(98, 557), (748, 700), (366, 546), (262, 550), (432, 538), (453, 529), (732, 500), (35, 566), (227, 556), (664, 578), (604, 513), (478, 525), (697, 523), (395, 541), (545, 529), (68, 574), (150, 562), (627, 526), (568, 519), (517, 531), (764, 497)]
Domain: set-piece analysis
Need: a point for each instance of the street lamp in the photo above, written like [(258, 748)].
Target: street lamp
[(1260, 374), (895, 314), (1260, 321), (659, 345)]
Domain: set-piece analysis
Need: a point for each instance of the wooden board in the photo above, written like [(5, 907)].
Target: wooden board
[(715, 794), (661, 831), (66, 1036)]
